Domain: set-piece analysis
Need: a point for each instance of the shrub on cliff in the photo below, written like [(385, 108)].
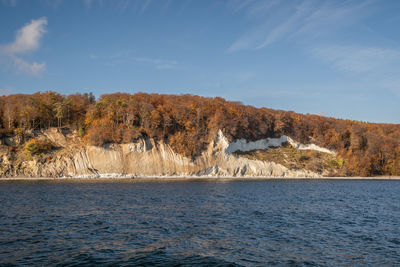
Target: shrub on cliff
[(37, 146)]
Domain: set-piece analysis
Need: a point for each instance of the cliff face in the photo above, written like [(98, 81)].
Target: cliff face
[(143, 158)]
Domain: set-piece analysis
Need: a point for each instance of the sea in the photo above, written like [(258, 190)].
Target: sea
[(205, 222)]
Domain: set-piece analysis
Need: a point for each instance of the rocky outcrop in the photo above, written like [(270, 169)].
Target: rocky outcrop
[(143, 158)]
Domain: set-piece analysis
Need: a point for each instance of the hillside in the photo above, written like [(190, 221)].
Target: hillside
[(188, 125)]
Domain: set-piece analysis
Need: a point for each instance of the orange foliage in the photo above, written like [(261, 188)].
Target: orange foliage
[(188, 123)]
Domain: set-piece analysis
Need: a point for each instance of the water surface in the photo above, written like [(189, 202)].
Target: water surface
[(212, 222)]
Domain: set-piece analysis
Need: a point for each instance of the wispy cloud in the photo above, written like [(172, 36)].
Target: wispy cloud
[(358, 59), (158, 63), (34, 68), (93, 56), (372, 66), (55, 4), (26, 41), (88, 3), (145, 6), (258, 9), (286, 26), (5, 91), (138, 6), (275, 21), (239, 5), (125, 57), (10, 3), (245, 76)]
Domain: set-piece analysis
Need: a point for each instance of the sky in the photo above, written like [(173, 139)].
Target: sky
[(332, 58)]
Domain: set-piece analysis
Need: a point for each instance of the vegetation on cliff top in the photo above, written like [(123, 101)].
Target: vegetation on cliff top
[(188, 123)]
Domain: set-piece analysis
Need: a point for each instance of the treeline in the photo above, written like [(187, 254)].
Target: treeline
[(188, 123), (43, 110)]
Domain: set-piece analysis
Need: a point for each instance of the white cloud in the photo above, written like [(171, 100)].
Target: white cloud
[(31, 68), (27, 40), (28, 37)]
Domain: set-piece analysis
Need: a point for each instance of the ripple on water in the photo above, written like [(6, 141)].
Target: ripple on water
[(239, 223)]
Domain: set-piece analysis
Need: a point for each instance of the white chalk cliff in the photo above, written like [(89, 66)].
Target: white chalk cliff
[(149, 158), (244, 146)]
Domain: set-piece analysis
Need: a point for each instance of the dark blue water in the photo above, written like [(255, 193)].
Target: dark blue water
[(249, 223)]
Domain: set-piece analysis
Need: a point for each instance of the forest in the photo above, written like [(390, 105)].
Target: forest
[(189, 122)]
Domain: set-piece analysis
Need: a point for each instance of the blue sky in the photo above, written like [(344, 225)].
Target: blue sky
[(333, 58)]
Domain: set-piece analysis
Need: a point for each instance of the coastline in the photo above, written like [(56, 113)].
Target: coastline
[(187, 178)]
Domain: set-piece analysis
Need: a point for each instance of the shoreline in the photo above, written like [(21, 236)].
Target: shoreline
[(187, 178)]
